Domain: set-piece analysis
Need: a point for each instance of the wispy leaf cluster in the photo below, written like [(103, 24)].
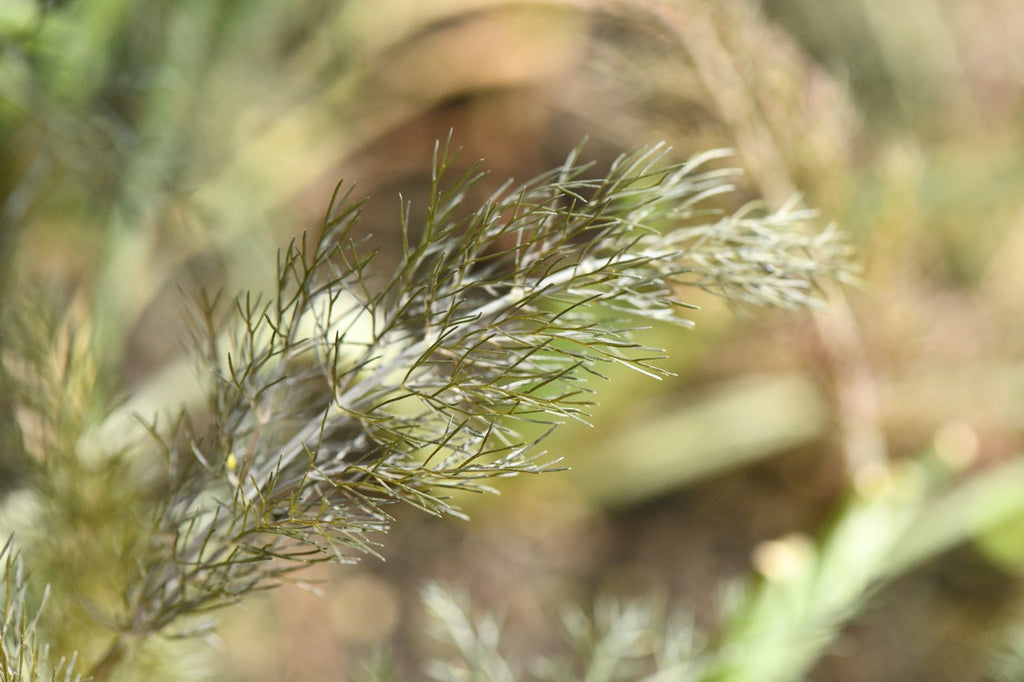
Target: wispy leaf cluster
[(347, 390), (23, 656), (619, 642)]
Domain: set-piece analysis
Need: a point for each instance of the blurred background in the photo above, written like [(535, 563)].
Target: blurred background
[(149, 147)]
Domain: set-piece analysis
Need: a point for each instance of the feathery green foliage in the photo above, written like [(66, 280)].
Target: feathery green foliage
[(345, 391), (136, 135), (618, 642), (23, 658)]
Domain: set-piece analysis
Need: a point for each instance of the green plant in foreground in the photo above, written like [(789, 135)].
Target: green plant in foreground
[(344, 391)]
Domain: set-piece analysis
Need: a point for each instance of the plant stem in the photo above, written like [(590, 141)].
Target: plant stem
[(105, 666)]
